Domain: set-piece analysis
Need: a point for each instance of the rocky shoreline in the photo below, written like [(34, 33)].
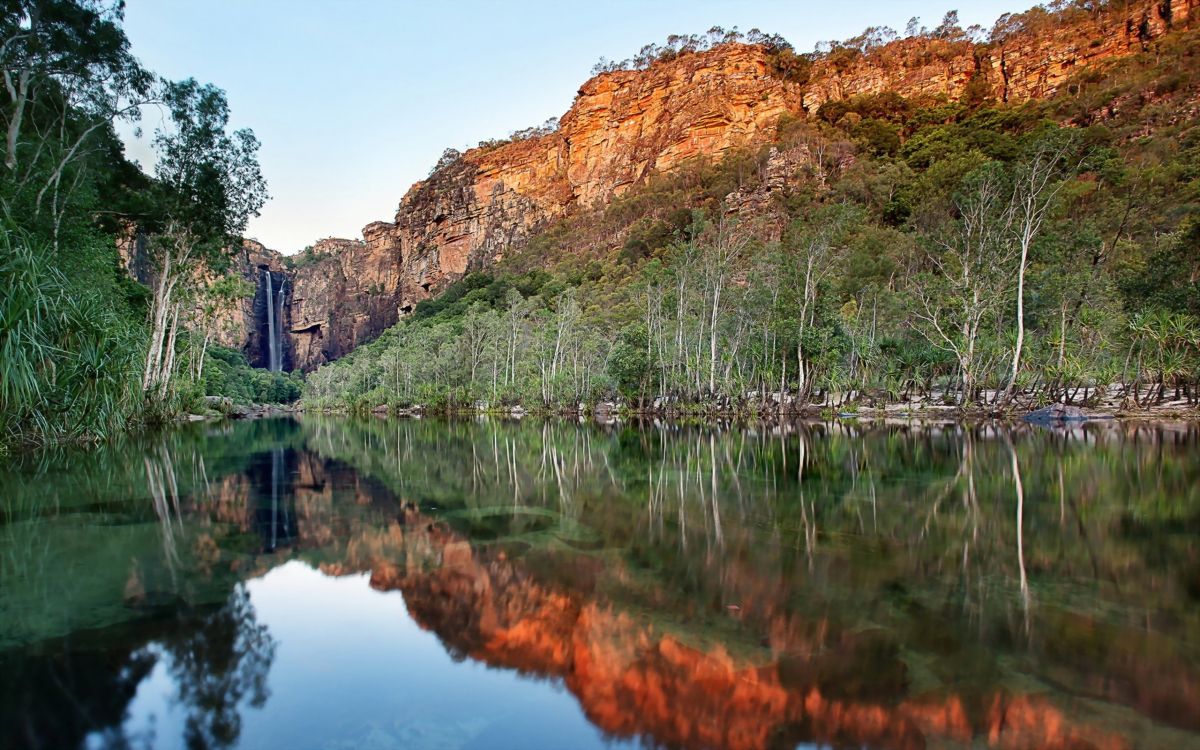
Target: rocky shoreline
[(1056, 414)]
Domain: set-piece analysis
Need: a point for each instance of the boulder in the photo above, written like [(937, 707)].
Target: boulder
[(1062, 413)]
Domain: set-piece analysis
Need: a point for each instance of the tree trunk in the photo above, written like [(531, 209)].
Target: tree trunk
[(20, 95)]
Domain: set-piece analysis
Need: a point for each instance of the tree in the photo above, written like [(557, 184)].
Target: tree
[(1035, 188), (214, 300), (478, 334), (628, 363), (969, 255), (949, 28), (814, 245), (723, 248), (210, 185), (69, 75)]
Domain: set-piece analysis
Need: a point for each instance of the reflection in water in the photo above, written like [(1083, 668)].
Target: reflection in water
[(274, 518), (223, 660), (75, 692), (890, 586)]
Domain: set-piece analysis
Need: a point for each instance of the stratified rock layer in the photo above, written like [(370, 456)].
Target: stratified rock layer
[(626, 125)]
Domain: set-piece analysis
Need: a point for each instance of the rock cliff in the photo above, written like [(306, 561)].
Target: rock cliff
[(1035, 53), (625, 125)]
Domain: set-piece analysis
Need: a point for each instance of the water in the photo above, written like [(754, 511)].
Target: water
[(273, 363), (422, 584)]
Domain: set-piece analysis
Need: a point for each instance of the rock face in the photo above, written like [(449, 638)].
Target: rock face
[(623, 126), (246, 327), (626, 125), (1035, 55)]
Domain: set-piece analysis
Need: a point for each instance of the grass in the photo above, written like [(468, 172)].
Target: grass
[(69, 363)]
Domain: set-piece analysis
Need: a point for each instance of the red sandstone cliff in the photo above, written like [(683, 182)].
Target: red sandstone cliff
[(625, 125)]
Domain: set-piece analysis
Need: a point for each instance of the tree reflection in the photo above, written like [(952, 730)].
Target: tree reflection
[(690, 585), (219, 662), (802, 536)]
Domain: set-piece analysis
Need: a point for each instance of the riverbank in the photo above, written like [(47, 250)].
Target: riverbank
[(923, 411)]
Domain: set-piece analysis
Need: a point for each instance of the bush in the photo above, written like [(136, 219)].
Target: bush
[(228, 374), (69, 362)]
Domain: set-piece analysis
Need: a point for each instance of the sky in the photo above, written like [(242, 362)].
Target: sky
[(354, 100)]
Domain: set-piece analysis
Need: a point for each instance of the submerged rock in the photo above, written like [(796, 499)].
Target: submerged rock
[(1063, 413)]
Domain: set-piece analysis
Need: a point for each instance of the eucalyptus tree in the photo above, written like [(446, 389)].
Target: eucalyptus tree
[(68, 75), (816, 245), (210, 185), (475, 340), (969, 254), (1036, 185), (209, 316), (723, 248)]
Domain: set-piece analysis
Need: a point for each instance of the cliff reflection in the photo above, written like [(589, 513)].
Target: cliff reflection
[(826, 584), (633, 679), (885, 587)]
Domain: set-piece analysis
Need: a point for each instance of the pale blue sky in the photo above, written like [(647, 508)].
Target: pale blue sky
[(355, 100)]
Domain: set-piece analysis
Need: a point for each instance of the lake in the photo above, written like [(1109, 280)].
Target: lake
[(332, 583)]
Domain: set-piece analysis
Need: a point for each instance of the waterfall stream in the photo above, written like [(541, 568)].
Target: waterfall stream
[(282, 296), (273, 363)]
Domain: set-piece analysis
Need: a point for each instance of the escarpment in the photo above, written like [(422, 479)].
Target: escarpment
[(626, 125), (1035, 54)]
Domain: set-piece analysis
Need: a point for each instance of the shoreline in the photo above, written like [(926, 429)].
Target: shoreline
[(943, 414)]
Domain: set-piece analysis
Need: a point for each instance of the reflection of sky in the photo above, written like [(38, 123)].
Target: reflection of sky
[(352, 670)]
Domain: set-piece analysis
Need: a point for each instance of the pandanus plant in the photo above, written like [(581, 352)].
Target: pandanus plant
[(1167, 346)]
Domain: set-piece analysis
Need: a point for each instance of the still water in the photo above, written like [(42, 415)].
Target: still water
[(328, 583)]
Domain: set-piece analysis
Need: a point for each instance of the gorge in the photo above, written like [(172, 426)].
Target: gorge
[(367, 565), (624, 127), (765, 399)]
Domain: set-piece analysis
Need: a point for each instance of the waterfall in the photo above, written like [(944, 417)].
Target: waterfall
[(279, 324), (272, 339)]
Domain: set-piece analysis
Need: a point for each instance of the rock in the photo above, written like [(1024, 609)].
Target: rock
[(1062, 413), (220, 404), (625, 126)]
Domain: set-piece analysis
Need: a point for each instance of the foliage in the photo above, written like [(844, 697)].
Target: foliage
[(75, 323), (894, 200), (228, 374), (68, 357)]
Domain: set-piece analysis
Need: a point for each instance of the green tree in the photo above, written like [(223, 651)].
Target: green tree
[(210, 185), (628, 364)]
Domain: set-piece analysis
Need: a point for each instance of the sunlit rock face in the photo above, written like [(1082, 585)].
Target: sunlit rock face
[(626, 125), (622, 127), (1030, 62), (344, 299)]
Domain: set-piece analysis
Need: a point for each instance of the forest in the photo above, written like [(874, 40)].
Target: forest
[(977, 254), (974, 254), (86, 351)]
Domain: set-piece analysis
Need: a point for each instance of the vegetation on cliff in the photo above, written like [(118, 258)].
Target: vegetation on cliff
[(85, 351), (967, 252)]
